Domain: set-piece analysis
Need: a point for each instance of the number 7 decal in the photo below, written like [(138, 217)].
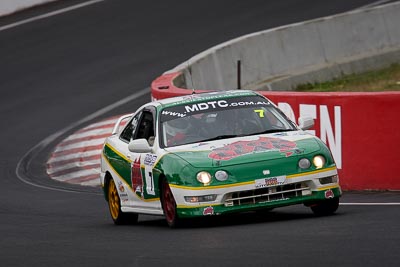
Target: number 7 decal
[(260, 112)]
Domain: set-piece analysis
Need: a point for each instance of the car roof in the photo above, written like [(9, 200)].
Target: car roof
[(194, 98)]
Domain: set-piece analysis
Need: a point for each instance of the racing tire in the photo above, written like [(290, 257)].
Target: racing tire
[(169, 205), (114, 205), (326, 207)]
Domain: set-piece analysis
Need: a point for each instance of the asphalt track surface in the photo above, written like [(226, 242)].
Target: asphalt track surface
[(57, 73)]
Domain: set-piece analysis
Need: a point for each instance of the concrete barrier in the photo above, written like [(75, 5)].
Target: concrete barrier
[(306, 52), (361, 129), (10, 6)]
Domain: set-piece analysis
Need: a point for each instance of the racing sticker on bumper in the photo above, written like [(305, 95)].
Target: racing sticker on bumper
[(272, 181), (208, 211), (329, 194)]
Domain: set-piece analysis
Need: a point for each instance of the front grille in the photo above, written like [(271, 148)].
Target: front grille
[(264, 195)]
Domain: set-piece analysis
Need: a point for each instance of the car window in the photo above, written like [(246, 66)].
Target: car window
[(146, 126), (130, 128)]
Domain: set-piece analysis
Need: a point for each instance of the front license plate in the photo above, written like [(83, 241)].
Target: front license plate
[(271, 181)]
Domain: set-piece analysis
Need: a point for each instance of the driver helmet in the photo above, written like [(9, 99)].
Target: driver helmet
[(176, 126)]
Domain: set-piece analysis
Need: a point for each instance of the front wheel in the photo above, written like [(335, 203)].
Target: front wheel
[(169, 205), (114, 205), (325, 207)]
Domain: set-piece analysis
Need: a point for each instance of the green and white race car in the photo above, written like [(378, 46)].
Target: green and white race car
[(212, 154)]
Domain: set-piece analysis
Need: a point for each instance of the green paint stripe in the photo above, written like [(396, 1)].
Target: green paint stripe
[(118, 153)]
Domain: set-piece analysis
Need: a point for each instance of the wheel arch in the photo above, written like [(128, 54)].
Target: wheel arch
[(107, 179), (161, 178)]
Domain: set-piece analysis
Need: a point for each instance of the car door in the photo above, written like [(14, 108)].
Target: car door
[(128, 133), (141, 126)]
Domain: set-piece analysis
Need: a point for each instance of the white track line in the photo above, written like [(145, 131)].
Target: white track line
[(370, 204), (50, 14), (374, 4)]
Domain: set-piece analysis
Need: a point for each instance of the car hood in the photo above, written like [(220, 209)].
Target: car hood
[(247, 149)]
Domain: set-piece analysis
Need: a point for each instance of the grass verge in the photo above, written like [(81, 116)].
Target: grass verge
[(387, 79)]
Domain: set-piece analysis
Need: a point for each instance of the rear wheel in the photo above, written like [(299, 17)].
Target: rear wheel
[(325, 207), (169, 205), (114, 205)]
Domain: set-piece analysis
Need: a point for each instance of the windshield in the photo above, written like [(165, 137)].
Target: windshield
[(213, 120)]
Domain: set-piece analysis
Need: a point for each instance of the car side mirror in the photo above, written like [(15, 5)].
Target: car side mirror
[(139, 146), (306, 123)]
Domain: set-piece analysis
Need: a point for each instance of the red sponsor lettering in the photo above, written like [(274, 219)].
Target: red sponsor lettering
[(240, 148)]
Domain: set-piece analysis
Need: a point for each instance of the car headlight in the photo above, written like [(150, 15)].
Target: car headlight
[(304, 163), (319, 161), (204, 177), (221, 175)]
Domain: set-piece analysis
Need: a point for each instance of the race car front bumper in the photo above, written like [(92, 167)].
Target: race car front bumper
[(297, 189)]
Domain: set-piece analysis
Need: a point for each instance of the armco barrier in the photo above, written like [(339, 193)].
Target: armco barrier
[(361, 129)]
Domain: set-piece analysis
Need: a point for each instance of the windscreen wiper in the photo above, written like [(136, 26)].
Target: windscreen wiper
[(276, 131), (220, 137)]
